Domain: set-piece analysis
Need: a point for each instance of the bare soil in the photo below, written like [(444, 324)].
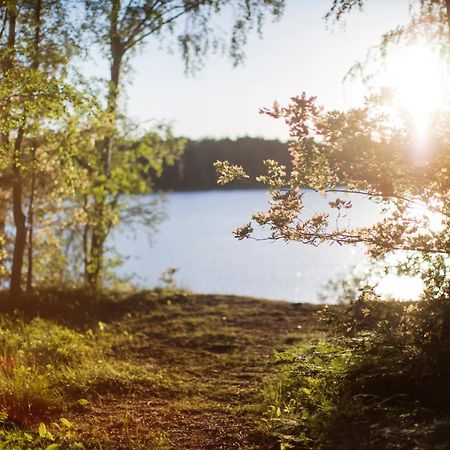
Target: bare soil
[(212, 354)]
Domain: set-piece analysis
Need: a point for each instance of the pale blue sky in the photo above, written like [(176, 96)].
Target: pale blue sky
[(300, 52)]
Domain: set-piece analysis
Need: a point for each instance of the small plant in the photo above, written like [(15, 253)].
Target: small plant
[(167, 277), (56, 436), (343, 289)]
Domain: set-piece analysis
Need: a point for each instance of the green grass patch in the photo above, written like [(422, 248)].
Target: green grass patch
[(47, 369), (143, 370)]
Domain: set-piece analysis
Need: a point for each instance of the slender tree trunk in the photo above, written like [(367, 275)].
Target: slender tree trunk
[(95, 263), (34, 66), (6, 64), (116, 52), (19, 222), (15, 287), (31, 224), (100, 229), (86, 230), (3, 199)]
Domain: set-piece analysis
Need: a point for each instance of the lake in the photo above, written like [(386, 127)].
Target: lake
[(197, 239)]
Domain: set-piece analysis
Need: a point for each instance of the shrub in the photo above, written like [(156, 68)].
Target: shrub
[(389, 370)]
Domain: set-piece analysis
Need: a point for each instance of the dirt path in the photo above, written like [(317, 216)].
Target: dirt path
[(212, 354)]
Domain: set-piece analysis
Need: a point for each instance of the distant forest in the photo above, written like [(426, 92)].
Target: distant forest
[(195, 171)]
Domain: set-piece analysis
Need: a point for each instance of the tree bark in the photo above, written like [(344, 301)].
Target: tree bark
[(30, 221), (20, 240), (99, 233), (15, 287)]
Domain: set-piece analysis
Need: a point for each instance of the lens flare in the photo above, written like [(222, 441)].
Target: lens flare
[(417, 79)]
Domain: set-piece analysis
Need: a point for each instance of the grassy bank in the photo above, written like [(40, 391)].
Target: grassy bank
[(149, 371), (175, 371)]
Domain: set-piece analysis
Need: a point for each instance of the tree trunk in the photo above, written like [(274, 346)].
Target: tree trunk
[(20, 223), (31, 224), (6, 65), (30, 219), (20, 240), (95, 270), (15, 287), (99, 234)]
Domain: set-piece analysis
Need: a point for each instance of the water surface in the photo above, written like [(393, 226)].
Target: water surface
[(197, 239)]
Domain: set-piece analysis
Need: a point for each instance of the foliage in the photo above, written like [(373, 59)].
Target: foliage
[(366, 151), (429, 22), (43, 364), (119, 30), (373, 366), (37, 100), (350, 153), (139, 159), (192, 24), (65, 144), (13, 438), (49, 370), (343, 288), (374, 372)]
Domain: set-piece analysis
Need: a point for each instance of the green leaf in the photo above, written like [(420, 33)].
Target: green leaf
[(42, 430), (28, 437), (83, 402), (52, 447), (306, 391), (66, 422)]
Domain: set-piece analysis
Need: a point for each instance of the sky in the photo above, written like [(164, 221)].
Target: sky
[(300, 52)]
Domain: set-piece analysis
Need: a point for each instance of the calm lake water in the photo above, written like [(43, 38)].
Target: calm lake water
[(197, 239)]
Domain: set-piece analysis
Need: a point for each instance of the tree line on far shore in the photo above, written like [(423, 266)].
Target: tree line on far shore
[(195, 170)]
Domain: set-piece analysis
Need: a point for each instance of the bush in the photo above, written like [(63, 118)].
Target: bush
[(376, 372)]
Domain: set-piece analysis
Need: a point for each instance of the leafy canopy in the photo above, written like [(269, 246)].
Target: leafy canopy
[(370, 151)]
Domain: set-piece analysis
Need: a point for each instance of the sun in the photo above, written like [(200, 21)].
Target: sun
[(416, 77)]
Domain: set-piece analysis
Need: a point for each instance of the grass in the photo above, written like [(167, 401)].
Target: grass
[(44, 365), (153, 370), (49, 370), (175, 371), (375, 383)]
